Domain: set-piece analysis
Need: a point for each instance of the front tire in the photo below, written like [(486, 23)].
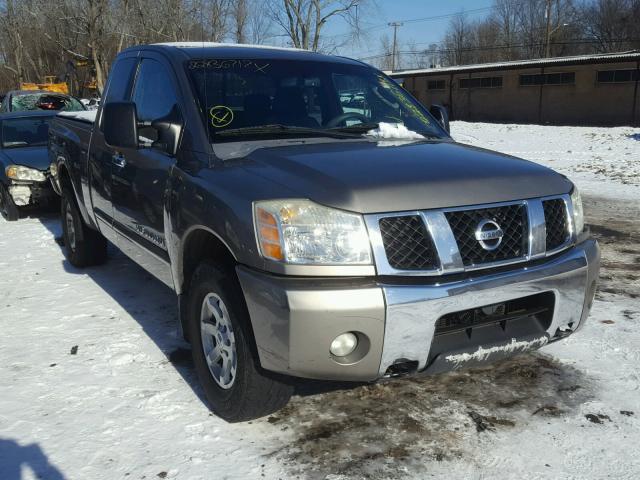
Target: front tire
[(8, 208), (237, 388), (84, 246)]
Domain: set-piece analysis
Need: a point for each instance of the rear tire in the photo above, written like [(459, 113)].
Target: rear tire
[(8, 208), (219, 328), (83, 245)]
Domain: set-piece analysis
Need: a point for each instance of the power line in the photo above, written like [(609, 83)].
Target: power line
[(496, 47), (381, 26)]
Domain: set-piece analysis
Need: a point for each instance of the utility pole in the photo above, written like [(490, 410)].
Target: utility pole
[(547, 16), (395, 26)]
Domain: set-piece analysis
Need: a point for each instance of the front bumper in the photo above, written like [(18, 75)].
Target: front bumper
[(26, 193), (295, 319)]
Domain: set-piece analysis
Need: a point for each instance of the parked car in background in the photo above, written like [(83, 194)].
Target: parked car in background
[(24, 161), (91, 103), (315, 220), (25, 100)]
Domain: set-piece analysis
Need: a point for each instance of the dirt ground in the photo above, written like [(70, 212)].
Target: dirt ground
[(391, 428)]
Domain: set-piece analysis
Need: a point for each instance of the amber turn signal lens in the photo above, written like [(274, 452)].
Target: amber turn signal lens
[(269, 235), (12, 172), (271, 250), (266, 218)]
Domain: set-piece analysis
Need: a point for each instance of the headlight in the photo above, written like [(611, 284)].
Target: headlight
[(578, 212), (304, 233), (18, 172)]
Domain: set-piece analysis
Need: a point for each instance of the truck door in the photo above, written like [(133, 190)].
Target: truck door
[(140, 177), (100, 155)]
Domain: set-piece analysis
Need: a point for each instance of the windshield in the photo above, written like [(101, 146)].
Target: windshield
[(25, 132), (39, 101), (283, 97)]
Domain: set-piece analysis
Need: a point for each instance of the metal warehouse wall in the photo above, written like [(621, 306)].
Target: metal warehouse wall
[(585, 102)]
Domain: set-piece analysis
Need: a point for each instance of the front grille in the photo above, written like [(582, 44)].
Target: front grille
[(407, 243), (555, 216), (512, 219)]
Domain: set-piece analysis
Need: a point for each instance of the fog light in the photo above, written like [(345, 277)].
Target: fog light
[(344, 344)]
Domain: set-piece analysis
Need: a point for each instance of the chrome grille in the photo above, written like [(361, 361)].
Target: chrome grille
[(512, 219), (407, 243), (555, 216), (454, 240)]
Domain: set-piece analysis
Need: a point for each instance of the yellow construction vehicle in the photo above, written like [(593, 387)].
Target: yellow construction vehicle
[(49, 85)]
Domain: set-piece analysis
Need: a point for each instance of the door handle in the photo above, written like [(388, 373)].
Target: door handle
[(119, 160)]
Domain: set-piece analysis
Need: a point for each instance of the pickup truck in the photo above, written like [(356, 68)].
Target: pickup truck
[(306, 234)]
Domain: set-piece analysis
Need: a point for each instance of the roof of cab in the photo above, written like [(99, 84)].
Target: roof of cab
[(193, 50)]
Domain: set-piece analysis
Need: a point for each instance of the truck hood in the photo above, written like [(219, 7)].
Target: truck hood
[(32, 157), (368, 177)]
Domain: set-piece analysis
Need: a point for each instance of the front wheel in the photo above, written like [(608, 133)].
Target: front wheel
[(8, 208), (225, 359), (84, 246)]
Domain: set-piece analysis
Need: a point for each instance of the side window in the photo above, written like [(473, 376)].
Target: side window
[(120, 81), (153, 93)]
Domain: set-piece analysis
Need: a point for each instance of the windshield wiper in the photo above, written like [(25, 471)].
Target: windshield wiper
[(357, 128), (278, 128)]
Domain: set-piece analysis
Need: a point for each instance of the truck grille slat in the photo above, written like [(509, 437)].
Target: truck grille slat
[(556, 219), (512, 219), (407, 243)]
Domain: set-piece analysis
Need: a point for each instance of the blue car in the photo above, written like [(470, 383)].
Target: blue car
[(24, 161)]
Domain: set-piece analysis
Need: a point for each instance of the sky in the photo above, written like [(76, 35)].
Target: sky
[(415, 29)]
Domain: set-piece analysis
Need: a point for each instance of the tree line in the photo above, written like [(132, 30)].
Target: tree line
[(75, 41), (525, 29)]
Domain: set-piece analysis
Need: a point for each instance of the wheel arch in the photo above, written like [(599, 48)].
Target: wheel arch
[(199, 243)]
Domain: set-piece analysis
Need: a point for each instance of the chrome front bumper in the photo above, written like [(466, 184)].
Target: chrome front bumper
[(295, 320), (412, 310)]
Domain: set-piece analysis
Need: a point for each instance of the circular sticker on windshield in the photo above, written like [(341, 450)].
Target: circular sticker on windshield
[(221, 116)]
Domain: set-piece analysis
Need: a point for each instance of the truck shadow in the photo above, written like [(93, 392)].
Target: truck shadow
[(14, 458), (153, 305)]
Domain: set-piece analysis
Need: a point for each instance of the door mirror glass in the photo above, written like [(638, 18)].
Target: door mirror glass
[(441, 115), (120, 125), (168, 130)]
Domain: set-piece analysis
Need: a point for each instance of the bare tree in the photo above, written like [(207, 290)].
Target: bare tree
[(457, 41), (303, 20), (385, 60), (260, 25), (240, 15), (613, 24)]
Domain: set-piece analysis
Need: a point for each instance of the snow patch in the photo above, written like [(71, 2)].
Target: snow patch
[(483, 354), (393, 130), (87, 116)]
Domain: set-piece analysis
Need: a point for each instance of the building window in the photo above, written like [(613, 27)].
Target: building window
[(436, 85), (618, 76), (486, 82), (548, 79)]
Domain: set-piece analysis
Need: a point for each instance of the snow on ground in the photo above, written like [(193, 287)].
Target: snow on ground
[(602, 160), (96, 385)]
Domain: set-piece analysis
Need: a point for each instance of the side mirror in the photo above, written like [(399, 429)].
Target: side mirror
[(120, 125), (441, 115), (169, 129)]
